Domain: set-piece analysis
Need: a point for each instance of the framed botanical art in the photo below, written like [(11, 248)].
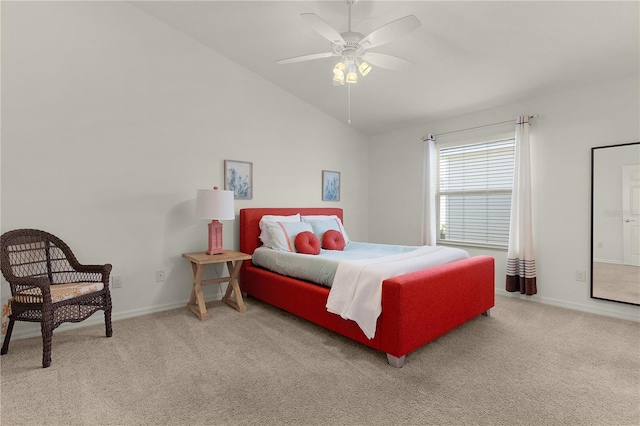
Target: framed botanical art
[(238, 177), (330, 185)]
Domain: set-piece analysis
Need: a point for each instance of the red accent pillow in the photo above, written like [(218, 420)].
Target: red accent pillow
[(333, 240), (307, 243)]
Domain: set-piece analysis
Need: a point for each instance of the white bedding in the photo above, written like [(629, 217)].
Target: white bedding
[(321, 269), (356, 293)]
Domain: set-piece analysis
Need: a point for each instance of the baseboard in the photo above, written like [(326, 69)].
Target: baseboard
[(571, 305), (34, 331), (98, 319), (610, 261)]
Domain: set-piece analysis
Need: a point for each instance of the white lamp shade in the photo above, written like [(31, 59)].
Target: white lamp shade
[(215, 204)]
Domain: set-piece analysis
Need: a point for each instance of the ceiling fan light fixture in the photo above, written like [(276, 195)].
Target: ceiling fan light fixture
[(364, 68), (338, 71), (352, 76), (351, 47)]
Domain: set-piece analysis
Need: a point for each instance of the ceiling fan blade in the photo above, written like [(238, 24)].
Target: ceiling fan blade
[(385, 61), (305, 58), (391, 31), (324, 29)]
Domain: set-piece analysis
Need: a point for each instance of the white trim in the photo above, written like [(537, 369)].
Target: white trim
[(98, 318), (613, 262), (571, 305), (428, 233), (472, 140)]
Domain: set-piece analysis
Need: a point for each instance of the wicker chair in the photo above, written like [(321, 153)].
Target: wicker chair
[(49, 286)]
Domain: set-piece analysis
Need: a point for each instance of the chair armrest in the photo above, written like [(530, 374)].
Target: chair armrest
[(106, 271), (96, 269), (41, 282), (103, 270)]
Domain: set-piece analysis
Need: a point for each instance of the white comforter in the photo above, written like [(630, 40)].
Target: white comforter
[(356, 293)]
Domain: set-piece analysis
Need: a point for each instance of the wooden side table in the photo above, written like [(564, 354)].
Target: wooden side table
[(232, 296)]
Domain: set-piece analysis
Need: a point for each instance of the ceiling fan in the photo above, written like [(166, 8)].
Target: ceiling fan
[(352, 47)]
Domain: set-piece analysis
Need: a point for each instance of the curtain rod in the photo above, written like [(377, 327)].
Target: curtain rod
[(432, 137)]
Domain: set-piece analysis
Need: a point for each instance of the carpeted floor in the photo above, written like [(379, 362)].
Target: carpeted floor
[(616, 282), (528, 364)]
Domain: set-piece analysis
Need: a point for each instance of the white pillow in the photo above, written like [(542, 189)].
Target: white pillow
[(282, 235), (264, 237), (318, 217), (322, 224)]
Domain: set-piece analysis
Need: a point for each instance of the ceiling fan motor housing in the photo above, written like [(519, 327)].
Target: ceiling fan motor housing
[(351, 44)]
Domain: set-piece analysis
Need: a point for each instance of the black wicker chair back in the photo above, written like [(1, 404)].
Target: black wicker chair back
[(49, 285)]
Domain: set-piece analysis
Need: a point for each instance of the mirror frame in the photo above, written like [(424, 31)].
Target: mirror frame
[(593, 151)]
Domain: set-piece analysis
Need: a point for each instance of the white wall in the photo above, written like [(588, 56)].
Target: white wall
[(569, 124), (110, 122)]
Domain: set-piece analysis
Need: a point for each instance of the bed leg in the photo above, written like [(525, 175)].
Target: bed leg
[(487, 313), (395, 361)]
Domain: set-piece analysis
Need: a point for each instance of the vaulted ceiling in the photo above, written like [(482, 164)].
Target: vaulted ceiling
[(467, 56)]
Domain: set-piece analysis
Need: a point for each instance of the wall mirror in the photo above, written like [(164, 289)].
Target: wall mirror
[(615, 223)]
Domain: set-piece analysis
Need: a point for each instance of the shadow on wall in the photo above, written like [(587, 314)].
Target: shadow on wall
[(185, 233)]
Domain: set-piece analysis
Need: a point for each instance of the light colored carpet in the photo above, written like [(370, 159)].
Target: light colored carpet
[(529, 364), (616, 282)]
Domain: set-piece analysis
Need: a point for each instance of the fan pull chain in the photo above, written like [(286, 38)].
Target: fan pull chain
[(349, 103)]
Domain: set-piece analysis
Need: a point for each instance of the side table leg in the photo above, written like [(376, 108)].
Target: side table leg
[(234, 287), (196, 302)]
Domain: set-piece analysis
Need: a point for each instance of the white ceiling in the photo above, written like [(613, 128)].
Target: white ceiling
[(468, 55)]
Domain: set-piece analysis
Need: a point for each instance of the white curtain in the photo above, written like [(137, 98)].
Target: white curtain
[(429, 192), (521, 264)]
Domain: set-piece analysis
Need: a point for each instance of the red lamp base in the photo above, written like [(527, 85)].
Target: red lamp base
[(215, 238)]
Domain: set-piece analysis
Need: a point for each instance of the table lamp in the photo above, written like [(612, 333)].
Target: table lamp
[(217, 205)]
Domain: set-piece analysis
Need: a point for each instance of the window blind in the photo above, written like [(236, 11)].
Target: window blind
[(474, 192)]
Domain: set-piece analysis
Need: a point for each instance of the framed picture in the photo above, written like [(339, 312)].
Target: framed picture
[(238, 177), (330, 185)]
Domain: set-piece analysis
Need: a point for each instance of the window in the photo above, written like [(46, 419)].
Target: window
[(474, 193)]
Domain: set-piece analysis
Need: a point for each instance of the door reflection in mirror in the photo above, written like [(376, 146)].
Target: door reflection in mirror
[(615, 223)]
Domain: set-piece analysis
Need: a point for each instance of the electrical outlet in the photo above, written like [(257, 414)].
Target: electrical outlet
[(160, 275), (581, 275), (116, 281)]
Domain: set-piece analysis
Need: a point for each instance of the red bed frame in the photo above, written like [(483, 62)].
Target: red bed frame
[(416, 308)]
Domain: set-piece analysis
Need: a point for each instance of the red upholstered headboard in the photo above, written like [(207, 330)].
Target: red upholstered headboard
[(250, 219)]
